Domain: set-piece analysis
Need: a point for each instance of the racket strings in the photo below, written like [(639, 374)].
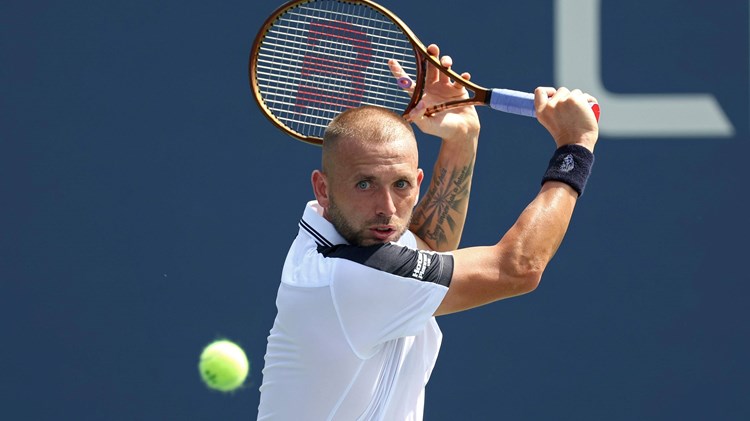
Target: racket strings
[(382, 40), (325, 56)]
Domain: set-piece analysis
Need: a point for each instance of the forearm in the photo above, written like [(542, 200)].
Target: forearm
[(532, 241), (440, 216)]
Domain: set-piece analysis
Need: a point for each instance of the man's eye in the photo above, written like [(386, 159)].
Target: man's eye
[(363, 185), (402, 184)]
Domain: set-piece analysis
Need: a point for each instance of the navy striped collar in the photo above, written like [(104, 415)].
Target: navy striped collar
[(318, 227)]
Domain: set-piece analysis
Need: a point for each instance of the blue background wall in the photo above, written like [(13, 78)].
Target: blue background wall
[(146, 207)]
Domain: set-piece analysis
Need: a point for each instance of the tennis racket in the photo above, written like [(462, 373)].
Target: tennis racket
[(313, 59)]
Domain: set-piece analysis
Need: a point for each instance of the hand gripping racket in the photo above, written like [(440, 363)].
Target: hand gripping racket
[(313, 59)]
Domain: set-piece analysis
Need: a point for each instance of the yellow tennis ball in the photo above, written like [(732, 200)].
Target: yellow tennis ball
[(223, 365)]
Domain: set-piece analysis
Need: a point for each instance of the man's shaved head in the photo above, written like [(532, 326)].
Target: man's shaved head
[(367, 124)]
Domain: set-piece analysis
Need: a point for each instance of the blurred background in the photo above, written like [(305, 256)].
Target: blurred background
[(146, 207)]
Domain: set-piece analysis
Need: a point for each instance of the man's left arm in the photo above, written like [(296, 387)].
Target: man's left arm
[(439, 217)]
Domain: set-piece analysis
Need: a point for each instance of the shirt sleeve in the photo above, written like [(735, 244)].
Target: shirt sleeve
[(385, 291)]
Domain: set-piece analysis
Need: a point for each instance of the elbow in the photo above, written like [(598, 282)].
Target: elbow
[(525, 273), (530, 282), (532, 272), (525, 282)]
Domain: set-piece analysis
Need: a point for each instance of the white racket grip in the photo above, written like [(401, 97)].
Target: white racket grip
[(514, 102)]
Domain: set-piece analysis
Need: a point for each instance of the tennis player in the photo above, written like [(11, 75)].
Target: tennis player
[(355, 337)]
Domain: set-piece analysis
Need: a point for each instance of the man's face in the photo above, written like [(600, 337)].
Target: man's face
[(371, 190)]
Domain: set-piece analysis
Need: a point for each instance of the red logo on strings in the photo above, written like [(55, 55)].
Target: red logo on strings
[(334, 66)]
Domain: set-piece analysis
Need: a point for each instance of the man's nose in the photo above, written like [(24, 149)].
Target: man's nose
[(385, 204)]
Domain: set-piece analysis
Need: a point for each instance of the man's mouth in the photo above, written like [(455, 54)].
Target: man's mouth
[(382, 233)]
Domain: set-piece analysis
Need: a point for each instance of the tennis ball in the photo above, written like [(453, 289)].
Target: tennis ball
[(223, 365)]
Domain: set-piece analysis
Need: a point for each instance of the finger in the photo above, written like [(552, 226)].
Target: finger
[(402, 78), (464, 76), (579, 97), (433, 50), (593, 103), (561, 93), (447, 62), (544, 92), (542, 95), (395, 67), (433, 74)]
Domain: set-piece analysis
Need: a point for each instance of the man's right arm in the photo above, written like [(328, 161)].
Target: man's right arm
[(515, 264)]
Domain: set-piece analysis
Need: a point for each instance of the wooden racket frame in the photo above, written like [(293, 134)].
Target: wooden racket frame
[(481, 95)]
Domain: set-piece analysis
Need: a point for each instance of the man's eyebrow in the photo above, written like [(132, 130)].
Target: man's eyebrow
[(364, 176)]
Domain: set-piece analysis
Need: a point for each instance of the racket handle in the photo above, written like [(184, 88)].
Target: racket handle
[(521, 103), (514, 102)]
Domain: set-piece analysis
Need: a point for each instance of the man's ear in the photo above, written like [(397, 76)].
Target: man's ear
[(320, 188), (420, 177)]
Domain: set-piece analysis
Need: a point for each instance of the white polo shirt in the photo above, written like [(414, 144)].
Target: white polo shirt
[(354, 337)]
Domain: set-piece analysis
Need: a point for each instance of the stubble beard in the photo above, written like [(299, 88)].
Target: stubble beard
[(356, 236)]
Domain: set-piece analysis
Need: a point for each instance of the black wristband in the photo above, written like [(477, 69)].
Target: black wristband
[(571, 164)]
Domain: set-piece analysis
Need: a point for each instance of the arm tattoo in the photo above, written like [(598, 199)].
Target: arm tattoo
[(442, 210)]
